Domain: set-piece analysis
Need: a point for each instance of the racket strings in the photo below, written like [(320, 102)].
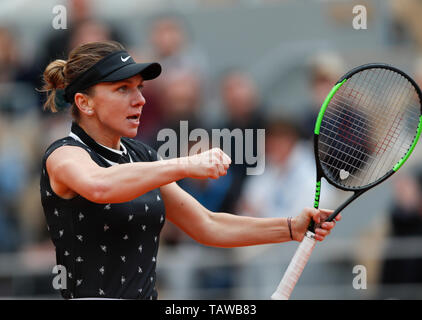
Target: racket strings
[(368, 126), (383, 107), (353, 156), (359, 130), (341, 103), (355, 130), (371, 112), (398, 99)]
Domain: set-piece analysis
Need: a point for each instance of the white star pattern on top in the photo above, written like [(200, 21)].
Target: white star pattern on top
[(122, 231)]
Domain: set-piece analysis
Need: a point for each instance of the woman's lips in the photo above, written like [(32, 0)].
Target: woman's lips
[(134, 119)]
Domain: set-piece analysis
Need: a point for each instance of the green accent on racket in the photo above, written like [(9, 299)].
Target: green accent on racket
[(404, 159), (325, 104)]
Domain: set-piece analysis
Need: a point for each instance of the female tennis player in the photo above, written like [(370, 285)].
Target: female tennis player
[(106, 196)]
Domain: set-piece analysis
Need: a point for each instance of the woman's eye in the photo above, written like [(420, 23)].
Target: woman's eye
[(140, 87), (122, 89)]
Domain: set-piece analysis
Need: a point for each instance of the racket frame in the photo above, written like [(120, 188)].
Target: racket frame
[(357, 191)]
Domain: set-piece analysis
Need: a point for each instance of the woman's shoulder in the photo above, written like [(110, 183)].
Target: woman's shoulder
[(66, 141), (141, 148)]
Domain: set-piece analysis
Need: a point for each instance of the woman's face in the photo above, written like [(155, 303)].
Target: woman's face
[(118, 105)]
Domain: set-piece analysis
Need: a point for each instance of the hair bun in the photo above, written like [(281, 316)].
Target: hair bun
[(54, 76), (54, 79)]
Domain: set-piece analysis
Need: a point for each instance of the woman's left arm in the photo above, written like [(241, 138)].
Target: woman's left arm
[(219, 229)]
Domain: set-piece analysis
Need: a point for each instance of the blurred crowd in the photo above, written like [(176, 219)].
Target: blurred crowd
[(181, 93)]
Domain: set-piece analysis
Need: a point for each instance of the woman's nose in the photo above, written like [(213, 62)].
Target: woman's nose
[(138, 99)]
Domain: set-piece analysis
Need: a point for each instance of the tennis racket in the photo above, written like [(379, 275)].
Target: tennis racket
[(366, 129)]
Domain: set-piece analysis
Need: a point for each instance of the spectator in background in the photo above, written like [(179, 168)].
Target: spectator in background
[(418, 70), (17, 99), (89, 30), (82, 27), (242, 110), (21, 216), (289, 168), (13, 175), (81, 19), (325, 69), (171, 44), (405, 219), (406, 23), (15, 96), (9, 55), (181, 101)]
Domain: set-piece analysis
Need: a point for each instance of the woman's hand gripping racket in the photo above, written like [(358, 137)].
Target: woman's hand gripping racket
[(366, 129)]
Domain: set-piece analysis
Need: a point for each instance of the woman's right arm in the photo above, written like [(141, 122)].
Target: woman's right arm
[(72, 171)]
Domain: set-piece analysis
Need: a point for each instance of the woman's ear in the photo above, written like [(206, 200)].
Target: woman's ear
[(84, 103)]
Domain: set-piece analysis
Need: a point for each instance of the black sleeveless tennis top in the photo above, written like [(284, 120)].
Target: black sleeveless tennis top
[(108, 250)]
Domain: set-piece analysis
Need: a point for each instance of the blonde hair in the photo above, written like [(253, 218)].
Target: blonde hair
[(60, 73)]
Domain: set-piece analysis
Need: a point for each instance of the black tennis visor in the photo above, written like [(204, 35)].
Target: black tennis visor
[(116, 66)]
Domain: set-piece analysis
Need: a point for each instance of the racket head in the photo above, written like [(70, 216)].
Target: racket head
[(367, 127)]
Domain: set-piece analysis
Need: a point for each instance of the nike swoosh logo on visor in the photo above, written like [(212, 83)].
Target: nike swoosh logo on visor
[(124, 59)]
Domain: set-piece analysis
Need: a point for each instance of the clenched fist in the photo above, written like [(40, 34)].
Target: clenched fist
[(209, 164)]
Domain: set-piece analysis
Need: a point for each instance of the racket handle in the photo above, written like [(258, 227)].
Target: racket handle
[(295, 268)]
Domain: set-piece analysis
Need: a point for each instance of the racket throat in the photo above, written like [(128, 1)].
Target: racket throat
[(344, 205)]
